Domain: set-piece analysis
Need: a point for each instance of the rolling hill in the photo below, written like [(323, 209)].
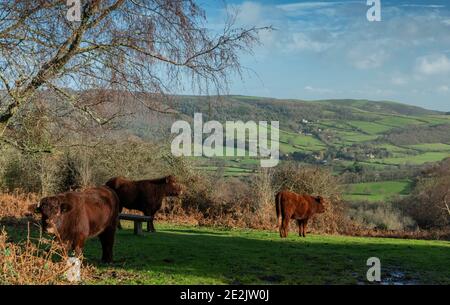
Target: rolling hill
[(338, 131)]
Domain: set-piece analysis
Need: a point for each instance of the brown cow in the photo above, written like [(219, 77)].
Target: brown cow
[(75, 216), (290, 205), (144, 195)]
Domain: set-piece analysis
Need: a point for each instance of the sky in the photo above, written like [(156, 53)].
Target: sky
[(329, 50)]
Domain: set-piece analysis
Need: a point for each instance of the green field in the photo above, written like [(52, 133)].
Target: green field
[(415, 159), (369, 127), (192, 255), (377, 191), (431, 147), (178, 254)]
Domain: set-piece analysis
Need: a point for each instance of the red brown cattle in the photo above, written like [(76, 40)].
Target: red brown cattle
[(144, 195), (290, 205), (76, 216)]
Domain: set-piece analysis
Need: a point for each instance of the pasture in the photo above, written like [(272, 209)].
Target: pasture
[(377, 191), (417, 159), (179, 254)]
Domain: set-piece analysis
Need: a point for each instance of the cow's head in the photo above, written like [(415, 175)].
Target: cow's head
[(172, 187), (54, 211), (321, 203), (116, 182)]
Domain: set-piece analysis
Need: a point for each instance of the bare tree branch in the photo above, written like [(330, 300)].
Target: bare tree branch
[(148, 46)]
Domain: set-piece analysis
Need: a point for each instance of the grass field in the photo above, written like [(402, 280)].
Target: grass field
[(179, 254), (369, 127), (377, 191), (431, 147), (417, 159), (191, 255)]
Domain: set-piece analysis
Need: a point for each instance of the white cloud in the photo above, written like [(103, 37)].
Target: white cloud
[(433, 64), (424, 5), (443, 89), (399, 80), (300, 6), (364, 59), (249, 13), (303, 6), (317, 90), (301, 41)]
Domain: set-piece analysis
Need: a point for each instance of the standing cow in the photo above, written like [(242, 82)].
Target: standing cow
[(76, 216), (144, 195), (301, 207)]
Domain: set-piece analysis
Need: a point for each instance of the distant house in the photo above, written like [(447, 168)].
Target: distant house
[(371, 156), (304, 121)]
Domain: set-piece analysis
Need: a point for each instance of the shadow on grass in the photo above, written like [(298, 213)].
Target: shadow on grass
[(199, 232), (195, 257), (179, 255)]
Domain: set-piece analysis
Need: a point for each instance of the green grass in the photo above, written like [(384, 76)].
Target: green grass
[(291, 142), (352, 137), (393, 148), (417, 159), (369, 127), (377, 191), (431, 147), (400, 121), (178, 254)]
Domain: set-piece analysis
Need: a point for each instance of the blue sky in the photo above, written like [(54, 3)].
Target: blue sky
[(328, 49)]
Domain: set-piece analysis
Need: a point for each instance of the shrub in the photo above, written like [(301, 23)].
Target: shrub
[(379, 216), (426, 204)]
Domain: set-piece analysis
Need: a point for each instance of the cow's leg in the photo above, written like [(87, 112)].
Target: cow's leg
[(300, 226), (78, 245), (150, 226), (119, 226), (280, 229), (107, 241), (285, 226), (305, 222)]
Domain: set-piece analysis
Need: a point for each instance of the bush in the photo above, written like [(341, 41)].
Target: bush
[(378, 216), (426, 204), (19, 171), (28, 263)]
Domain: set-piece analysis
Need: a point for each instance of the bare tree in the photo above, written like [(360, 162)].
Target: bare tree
[(138, 46)]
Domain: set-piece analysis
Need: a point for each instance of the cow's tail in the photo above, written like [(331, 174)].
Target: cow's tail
[(278, 208)]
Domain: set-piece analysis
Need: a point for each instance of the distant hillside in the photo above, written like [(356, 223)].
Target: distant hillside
[(288, 112), (338, 132)]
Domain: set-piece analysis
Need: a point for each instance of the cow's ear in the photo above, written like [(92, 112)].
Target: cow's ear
[(65, 207)]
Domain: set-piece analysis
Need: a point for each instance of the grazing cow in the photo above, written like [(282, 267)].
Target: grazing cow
[(144, 195), (290, 205), (76, 216)]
